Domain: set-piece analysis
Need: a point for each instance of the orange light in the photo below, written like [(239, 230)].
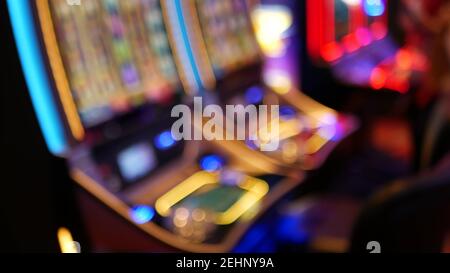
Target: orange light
[(404, 59), (66, 242)]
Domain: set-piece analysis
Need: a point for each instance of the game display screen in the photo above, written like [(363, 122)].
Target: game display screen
[(116, 56), (228, 34)]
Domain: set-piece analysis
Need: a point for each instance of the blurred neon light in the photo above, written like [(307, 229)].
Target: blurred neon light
[(164, 140), (278, 80), (65, 240), (331, 52), (212, 163), (254, 95), (164, 204), (187, 42), (322, 42), (271, 23), (378, 78), (404, 59), (395, 73), (363, 36), (35, 74), (142, 214), (287, 112), (379, 30), (352, 2), (374, 8), (182, 43), (256, 189), (351, 43)]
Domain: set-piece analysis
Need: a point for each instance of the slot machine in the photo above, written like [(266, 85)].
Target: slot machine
[(103, 76), (355, 39), (227, 52)]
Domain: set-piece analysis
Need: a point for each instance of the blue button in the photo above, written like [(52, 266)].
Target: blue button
[(164, 141), (254, 95), (142, 214), (212, 163)]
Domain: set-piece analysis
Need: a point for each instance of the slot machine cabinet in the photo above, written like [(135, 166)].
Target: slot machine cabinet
[(355, 39), (103, 77), (229, 58)]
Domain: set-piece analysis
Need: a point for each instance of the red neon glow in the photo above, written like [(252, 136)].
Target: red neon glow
[(379, 30), (378, 78), (357, 17), (350, 43), (330, 21), (315, 26), (331, 52), (398, 84)]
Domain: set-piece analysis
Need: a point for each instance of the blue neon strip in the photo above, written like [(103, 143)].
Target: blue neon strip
[(35, 74), (188, 46)]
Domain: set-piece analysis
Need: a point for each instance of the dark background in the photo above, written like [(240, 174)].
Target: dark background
[(35, 193)]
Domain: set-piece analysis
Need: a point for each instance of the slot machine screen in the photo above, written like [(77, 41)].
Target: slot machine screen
[(116, 56), (228, 33), (137, 161)]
